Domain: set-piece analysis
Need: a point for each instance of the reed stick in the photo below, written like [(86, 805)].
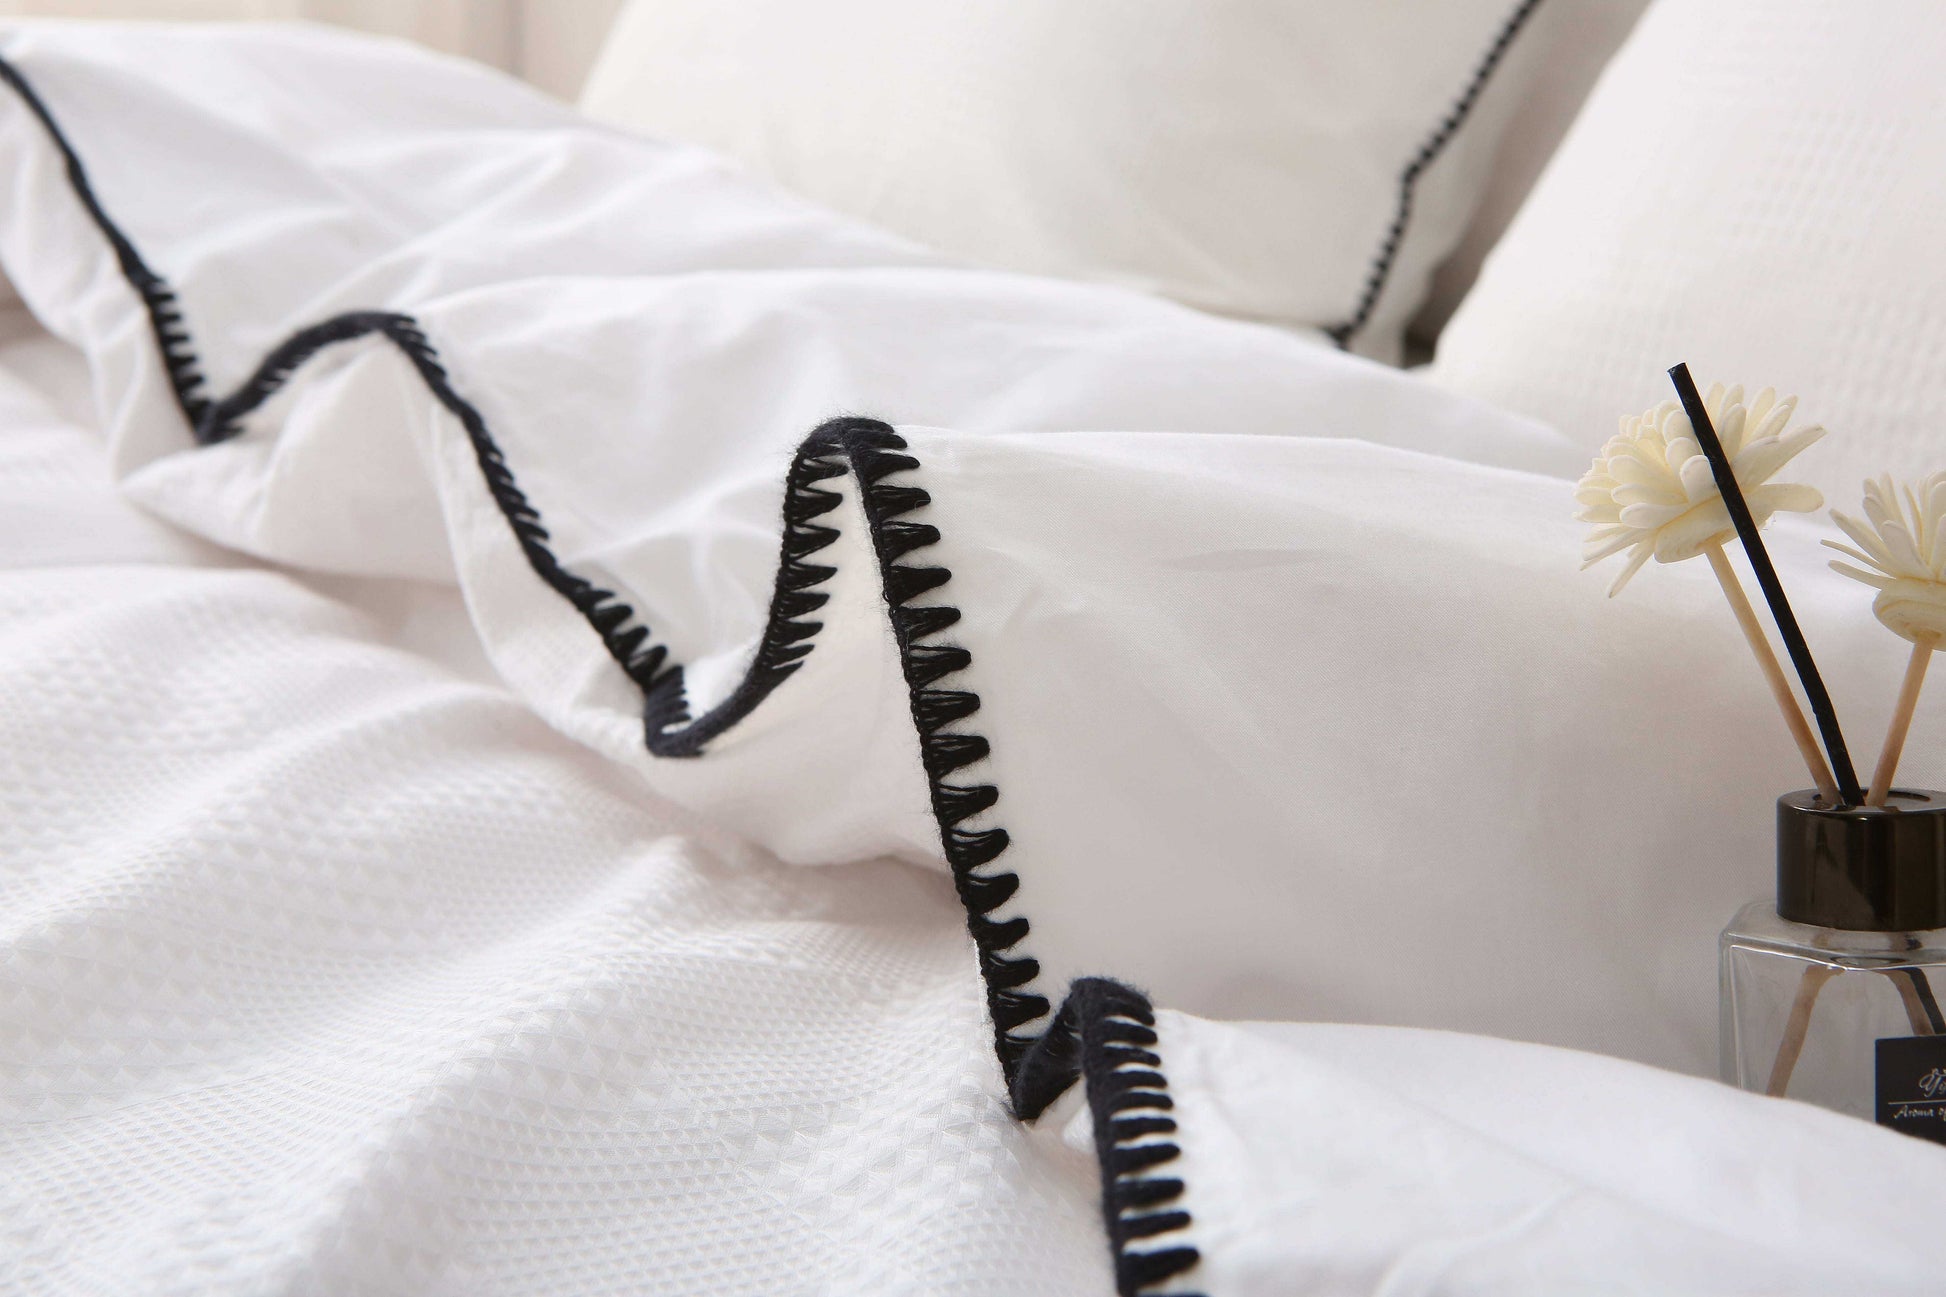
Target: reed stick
[(1928, 1002), (1849, 793), (1922, 1010), (1796, 1026), (1780, 687), (1915, 1008), (1888, 757)]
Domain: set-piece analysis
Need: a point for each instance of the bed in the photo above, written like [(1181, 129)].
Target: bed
[(575, 721)]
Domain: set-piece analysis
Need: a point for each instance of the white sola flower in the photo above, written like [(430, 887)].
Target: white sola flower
[(1903, 544), (1650, 490)]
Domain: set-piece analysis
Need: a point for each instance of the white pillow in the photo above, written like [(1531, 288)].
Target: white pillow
[(1568, 43), (1244, 156), (1756, 187)]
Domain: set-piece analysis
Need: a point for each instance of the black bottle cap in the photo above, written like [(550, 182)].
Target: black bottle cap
[(1863, 868)]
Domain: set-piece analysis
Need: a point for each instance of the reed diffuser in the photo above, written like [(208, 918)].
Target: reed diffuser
[(1827, 988)]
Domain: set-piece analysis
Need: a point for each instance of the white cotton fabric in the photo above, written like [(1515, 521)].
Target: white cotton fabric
[(1344, 1161), (1754, 188), (1240, 156), (326, 968), (354, 942), (326, 971)]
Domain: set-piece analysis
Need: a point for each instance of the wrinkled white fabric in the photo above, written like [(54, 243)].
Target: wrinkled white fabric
[(324, 969), (356, 941), (1337, 1160)]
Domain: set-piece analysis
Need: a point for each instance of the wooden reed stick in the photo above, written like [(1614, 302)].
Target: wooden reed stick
[(1780, 686), (1799, 1023), (1888, 757), (1921, 1011)]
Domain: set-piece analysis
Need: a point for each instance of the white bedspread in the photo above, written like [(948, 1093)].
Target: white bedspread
[(353, 938)]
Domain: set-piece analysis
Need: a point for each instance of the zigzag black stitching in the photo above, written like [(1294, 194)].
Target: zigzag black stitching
[(1428, 151), (871, 451), (158, 299), (866, 447), (1105, 1031), (613, 620), (875, 452), (788, 631)]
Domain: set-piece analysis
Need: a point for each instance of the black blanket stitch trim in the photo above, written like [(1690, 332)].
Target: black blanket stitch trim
[(1427, 153), (1104, 1031), (165, 317), (871, 451)]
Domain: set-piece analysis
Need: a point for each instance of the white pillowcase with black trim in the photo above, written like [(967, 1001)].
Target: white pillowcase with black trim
[(1755, 187), (1304, 163)]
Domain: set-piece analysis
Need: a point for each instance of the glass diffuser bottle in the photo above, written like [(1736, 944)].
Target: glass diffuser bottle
[(1828, 995)]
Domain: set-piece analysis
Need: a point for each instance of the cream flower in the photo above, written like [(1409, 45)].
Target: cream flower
[(1650, 490), (1903, 541)]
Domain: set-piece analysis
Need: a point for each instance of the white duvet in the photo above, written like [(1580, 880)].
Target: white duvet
[(358, 934)]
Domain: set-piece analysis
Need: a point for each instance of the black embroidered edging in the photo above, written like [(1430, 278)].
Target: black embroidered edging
[(1428, 152), (669, 731), (1106, 1032), (612, 619), (866, 447), (871, 451), (165, 317)]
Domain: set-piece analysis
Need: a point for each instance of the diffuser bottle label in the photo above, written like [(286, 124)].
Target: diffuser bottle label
[(1912, 1085)]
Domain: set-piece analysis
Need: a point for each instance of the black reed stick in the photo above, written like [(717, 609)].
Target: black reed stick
[(1780, 607), (1927, 1001)]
